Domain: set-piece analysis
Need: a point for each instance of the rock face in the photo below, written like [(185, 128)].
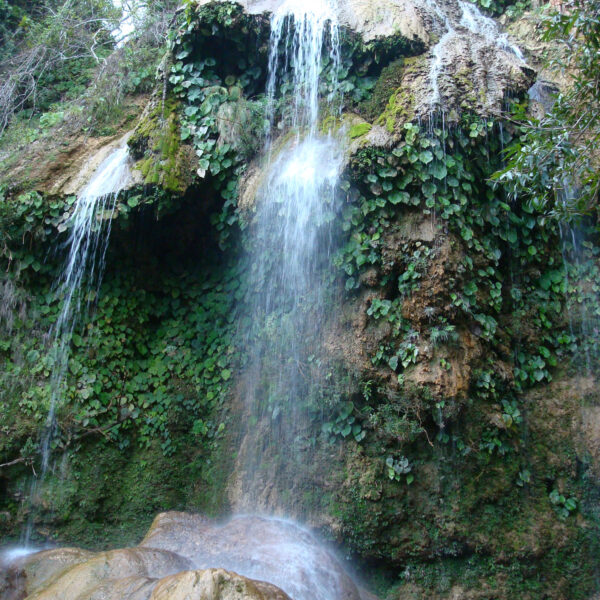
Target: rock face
[(188, 556), (468, 63), (371, 19)]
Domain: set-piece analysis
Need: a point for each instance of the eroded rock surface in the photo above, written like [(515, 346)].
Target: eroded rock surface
[(468, 62), (214, 584)]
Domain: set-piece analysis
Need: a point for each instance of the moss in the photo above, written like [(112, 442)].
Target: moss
[(400, 101), (359, 130), (387, 83), (156, 143)]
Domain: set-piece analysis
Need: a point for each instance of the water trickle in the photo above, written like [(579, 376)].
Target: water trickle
[(476, 24), (439, 53), (301, 28), (89, 228), (292, 233)]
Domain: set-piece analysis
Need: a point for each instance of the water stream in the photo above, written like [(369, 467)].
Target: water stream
[(292, 236), (468, 17), (89, 230)]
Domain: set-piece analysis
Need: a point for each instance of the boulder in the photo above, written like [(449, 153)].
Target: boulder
[(266, 549), (214, 584), (187, 556), (87, 579)]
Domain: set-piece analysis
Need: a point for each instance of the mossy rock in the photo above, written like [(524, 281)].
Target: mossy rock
[(161, 156)]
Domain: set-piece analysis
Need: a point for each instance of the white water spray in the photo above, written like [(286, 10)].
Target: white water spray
[(295, 206), (476, 24), (87, 243)]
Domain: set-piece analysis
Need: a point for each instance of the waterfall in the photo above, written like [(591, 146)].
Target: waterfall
[(474, 21), (292, 236), (89, 230), (476, 24)]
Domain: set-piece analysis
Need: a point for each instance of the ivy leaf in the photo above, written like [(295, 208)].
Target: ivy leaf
[(426, 157), (398, 198), (439, 171), (185, 133), (429, 189)]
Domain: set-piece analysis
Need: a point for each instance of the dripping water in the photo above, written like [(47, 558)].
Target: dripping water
[(477, 24), (292, 238), (89, 230)]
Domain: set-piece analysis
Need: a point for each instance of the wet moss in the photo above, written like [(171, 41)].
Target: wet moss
[(162, 158), (359, 130)]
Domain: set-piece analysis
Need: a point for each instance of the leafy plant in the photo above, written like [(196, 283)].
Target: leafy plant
[(397, 468), (345, 424), (563, 506)]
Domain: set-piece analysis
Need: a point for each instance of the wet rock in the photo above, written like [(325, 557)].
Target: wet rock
[(128, 588), (31, 573), (214, 584), (469, 64), (88, 579), (270, 550), (371, 18), (186, 556)]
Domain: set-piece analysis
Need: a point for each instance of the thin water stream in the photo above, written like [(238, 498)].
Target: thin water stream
[(89, 231), (466, 17)]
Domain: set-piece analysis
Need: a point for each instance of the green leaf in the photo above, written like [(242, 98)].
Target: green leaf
[(426, 157), (439, 171), (398, 198), (429, 189), (571, 504)]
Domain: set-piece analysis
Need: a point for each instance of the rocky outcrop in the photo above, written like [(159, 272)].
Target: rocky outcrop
[(189, 556), (266, 549), (468, 63), (214, 584), (64, 159)]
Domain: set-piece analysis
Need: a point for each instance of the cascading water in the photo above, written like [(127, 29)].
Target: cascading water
[(87, 243), (292, 237), (477, 24)]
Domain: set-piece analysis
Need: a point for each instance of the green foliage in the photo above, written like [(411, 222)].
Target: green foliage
[(53, 53), (444, 334), (511, 269), (344, 424), (553, 165), (564, 507), (396, 468), (511, 415), (359, 130), (218, 63), (141, 365), (513, 8)]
